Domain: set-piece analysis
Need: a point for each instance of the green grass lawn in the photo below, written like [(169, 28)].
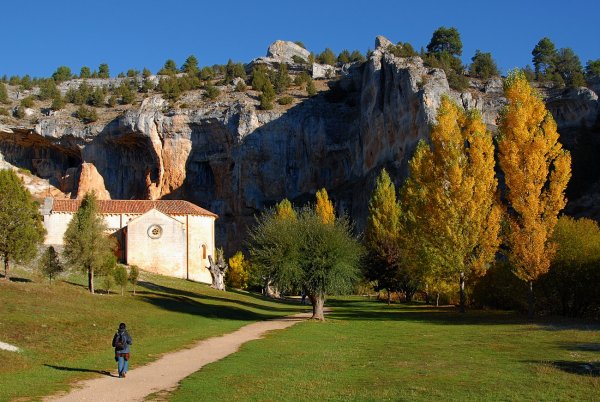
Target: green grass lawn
[(65, 332), (369, 351)]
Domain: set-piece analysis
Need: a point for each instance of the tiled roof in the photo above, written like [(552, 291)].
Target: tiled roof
[(168, 207)]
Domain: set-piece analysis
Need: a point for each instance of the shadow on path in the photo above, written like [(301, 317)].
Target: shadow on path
[(81, 370)]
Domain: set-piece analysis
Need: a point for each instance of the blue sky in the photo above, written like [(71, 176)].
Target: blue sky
[(40, 35)]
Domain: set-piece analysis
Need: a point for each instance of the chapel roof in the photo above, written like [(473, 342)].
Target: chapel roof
[(108, 207)]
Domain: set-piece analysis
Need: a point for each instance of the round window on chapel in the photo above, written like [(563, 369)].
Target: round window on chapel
[(154, 231)]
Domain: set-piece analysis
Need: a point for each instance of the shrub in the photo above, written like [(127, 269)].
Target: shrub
[(281, 80), (190, 65), (357, 56), (58, 102), (3, 93), (19, 112), (403, 50), (311, 90), (298, 59), (27, 102), (96, 97), (241, 86), (146, 73), (285, 100), (206, 73), (132, 72), (50, 265), (3, 111), (120, 276), (344, 56), (86, 115), (302, 78), (170, 88), (48, 89), (238, 273), (211, 91), (267, 96), (259, 78), (134, 274), (112, 101), (483, 66), (26, 83)]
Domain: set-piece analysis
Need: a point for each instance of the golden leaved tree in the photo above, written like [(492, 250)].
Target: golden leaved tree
[(324, 207), (450, 196), (284, 210), (536, 172)]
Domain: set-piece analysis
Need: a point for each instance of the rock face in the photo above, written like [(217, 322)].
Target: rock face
[(285, 51), (236, 160), (91, 181)]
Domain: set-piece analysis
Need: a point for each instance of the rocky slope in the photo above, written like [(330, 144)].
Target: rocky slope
[(234, 159)]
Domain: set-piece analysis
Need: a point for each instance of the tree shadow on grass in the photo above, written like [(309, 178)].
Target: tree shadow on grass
[(591, 369), (187, 305), (15, 279), (370, 310), (79, 369), (581, 347), (283, 306)]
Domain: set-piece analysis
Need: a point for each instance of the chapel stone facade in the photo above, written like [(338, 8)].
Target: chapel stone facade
[(167, 237)]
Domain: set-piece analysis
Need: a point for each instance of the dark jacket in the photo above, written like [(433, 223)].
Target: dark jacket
[(128, 341)]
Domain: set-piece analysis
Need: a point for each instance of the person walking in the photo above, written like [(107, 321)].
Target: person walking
[(122, 342)]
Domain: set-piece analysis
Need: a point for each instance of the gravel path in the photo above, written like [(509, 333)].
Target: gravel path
[(169, 370)]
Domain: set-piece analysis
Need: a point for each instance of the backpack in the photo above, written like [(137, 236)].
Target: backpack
[(120, 341)]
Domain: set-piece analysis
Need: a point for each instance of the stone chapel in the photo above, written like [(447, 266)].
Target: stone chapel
[(167, 237)]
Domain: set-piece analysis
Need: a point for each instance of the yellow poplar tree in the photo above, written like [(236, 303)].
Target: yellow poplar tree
[(536, 172), (238, 274), (451, 196), (285, 210), (324, 207)]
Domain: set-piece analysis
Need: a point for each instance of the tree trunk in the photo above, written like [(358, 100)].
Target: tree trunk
[(217, 271), (6, 267), (318, 302), (530, 301), (437, 299), (389, 297), (91, 280), (134, 290), (462, 292), (427, 294)]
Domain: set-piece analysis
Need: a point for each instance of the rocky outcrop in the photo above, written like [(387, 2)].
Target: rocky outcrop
[(236, 160), (89, 180), (285, 51)]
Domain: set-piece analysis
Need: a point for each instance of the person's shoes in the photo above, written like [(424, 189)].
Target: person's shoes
[(123, 375)]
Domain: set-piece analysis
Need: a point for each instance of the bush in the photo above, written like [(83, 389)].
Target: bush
[(302, 79), (281, 80), (403, 50), (120, 276), (134, 275), (285, 100), (26, 83), (211, 91), (27, 102), (48, 89), (103, 71), (50, 265), (259, 78), (241, 86), (170, 68), (239, 272), (267, 96), (3, 93), (570, 287), (169, 86), (298, 59), (3, 111), (57, 103), (311, 90), (86, 115), (85, 72), (499, 288)]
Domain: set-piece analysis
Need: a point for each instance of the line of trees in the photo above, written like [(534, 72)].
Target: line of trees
[(447, 223)]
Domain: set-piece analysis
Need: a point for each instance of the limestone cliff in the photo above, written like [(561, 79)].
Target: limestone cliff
[(234, 159)]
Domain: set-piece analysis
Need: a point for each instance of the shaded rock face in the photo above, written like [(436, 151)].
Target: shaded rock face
[(235, 160)]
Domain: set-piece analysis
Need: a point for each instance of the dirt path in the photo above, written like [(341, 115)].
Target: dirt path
[(165, 373)]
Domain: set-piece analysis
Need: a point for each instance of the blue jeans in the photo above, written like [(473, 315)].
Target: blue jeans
[(122, 364)]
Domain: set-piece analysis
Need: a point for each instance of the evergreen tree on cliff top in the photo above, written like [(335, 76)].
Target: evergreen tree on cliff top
[(86, 246), (21, 228)]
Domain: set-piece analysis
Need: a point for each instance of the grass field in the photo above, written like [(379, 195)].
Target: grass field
[(370, 351), (65, 332)]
